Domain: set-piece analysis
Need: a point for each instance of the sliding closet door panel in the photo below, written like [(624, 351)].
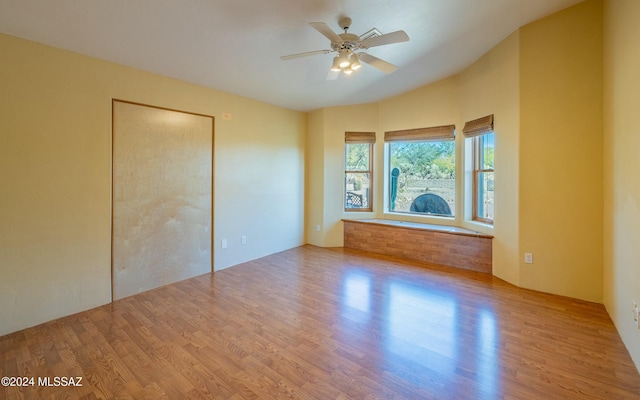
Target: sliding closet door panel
[(162, 197)]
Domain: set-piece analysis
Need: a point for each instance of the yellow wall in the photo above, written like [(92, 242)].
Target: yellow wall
[(432, 105), (561, 206), (325, 185), (55, 169), (338, 120), (621, 167), (491, 86), (314, 190)]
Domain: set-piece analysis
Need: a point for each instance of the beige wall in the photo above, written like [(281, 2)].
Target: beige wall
[(621, 167), (561, 206), (55, 169)]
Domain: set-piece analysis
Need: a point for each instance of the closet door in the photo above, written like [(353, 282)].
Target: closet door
[(161, 197)]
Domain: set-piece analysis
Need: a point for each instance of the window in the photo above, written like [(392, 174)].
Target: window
[(358, 171), (422, 171), (480, 133), (483, 188)]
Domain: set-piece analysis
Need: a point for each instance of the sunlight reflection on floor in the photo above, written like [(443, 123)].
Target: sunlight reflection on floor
[(422, 328)]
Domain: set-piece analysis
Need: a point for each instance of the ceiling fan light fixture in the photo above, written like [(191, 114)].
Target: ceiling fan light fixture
[(343, 59), (355, 63), (336, 64), (348, 71)]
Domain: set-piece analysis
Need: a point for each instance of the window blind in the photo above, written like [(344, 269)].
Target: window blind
[(445, 132), (478, 126), (359, 137)]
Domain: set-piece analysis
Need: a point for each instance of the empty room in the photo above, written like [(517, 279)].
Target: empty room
[(320, 199)]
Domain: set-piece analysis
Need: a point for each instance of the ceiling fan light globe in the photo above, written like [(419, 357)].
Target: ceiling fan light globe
[(343, 59), (355, 62), (336, 64), (348, 71)]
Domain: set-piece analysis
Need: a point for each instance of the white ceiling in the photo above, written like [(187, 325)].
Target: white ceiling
[(235, 45)]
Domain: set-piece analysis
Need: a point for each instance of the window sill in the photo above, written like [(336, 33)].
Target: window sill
[(420, 218), (450, 229), (479, 226)]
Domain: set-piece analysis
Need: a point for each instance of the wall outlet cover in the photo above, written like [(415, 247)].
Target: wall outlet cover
[(528, 258)]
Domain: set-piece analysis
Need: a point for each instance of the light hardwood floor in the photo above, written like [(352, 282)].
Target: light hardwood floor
[(312, 323)]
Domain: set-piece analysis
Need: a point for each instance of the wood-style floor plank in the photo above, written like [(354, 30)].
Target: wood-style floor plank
[(312, 323)]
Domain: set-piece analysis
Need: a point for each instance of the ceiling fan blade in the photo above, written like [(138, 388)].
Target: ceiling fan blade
[(305, 54), (382, 65), (389, 38), (326, 31), (332, 75)]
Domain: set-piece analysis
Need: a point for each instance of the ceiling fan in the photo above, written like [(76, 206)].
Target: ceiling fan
[(349, 48)]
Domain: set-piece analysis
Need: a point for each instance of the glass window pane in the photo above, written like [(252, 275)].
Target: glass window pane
[(357, 190), (484, 149), (422, 177), (487, 146), (357, 157), (485, 195)]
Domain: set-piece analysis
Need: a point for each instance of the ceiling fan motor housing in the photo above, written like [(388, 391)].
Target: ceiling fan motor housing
[(349, 42), (344, 23)]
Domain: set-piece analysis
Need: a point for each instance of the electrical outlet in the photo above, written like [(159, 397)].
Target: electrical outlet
[(223, 244), (318, 228), (528, 258), (243, 239), (634, 311)]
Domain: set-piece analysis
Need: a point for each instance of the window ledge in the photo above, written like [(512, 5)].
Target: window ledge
[(479, 226), (422, 216), (454, 230)]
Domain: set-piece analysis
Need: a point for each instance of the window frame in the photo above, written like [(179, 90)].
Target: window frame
[(368, 171), (476, 171), (443, 133)]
